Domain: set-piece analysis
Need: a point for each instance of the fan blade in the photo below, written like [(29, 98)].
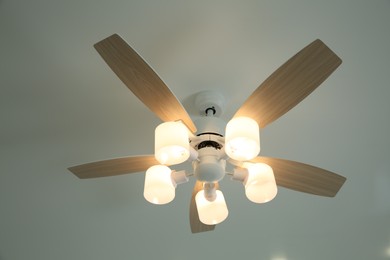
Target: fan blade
[(196, 225), (140, 78), (114, 167), (290, 84), (303, 177)]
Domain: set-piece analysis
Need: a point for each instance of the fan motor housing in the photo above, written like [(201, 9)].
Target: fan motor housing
[(210, 125)]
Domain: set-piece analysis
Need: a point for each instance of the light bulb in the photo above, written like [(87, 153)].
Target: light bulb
[(242, 139), (211, 212), (260, 185), (159, 187), (171, 143)]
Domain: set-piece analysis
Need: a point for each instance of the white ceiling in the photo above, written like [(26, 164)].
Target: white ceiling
[(60, 105)]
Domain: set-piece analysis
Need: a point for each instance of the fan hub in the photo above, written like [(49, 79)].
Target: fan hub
[(210, 167)]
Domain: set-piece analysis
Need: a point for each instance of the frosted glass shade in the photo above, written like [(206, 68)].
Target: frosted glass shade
[(260, 185), (211, 212), (171, 143), (242, 141), (159, 187)]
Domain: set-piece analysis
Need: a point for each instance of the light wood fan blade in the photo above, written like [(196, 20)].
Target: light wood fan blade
[(196, 225), (303, 177), (290, 83), (140, 78), (114, 167)]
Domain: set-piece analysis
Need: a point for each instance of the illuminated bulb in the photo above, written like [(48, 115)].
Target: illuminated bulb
[(159, 187), (171, 143), (211, 212), (260, 185), (242, 139)]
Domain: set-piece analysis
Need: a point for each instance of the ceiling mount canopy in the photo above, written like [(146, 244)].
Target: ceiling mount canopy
[(215, 143)]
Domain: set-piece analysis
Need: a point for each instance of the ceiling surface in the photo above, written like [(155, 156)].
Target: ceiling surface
[(61, 105)]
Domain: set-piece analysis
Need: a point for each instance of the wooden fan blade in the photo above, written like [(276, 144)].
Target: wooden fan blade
[(140, 78), (303, 177), (114, 167), (290, 83), (196, 225)]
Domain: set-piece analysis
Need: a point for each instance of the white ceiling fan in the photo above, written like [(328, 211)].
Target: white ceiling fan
[(215, 143)]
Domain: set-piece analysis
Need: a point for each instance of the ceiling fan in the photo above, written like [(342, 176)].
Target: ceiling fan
[(215, 143)]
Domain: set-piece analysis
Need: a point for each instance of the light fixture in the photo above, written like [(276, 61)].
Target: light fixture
[(209, 167), (171, 143), (242, 139), (211, 211), (260, 185), (209, 143), (159, 187)]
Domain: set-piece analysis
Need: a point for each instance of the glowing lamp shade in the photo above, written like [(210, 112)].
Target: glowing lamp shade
[(211, 212), (260, 185), (159, 187), (242, 139), (171, 143)]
